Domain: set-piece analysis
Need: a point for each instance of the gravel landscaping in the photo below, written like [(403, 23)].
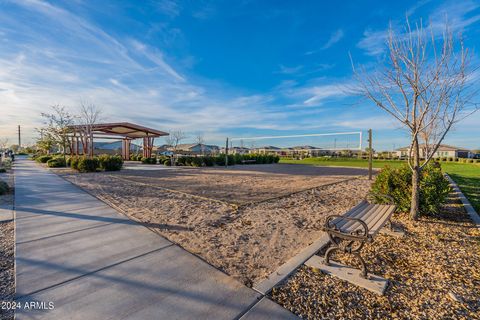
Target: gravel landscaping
[(7, 275), (434, 273)]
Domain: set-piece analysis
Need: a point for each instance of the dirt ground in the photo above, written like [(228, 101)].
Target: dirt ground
[(245, 220), (434, 273)]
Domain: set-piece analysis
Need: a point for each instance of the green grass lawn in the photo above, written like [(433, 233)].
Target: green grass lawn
[(466, 175)]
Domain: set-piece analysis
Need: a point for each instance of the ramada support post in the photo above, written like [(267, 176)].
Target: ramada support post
[(147, 146), (126, 149)]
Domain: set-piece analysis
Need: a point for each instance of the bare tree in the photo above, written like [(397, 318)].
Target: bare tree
[(46, 140), (425, 85), (3, 143), (200, 140), (173, 139), (88, 115), (59, 124)]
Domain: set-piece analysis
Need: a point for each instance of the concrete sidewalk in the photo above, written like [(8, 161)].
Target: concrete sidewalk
[(81, 257)]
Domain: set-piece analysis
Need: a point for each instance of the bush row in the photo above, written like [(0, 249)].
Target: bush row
[(103, 162), (208, 161), (397, 183), (81, 163)]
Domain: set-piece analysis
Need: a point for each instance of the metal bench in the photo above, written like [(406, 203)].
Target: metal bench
[(348, 233)]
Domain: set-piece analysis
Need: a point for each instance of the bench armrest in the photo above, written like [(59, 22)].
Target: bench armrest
[(375, 196), (331, 227)]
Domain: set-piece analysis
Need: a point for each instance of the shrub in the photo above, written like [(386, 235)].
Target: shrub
[(220, 160), (450, 159), (151, 160), (136, 157), (167, 162), (434, 189), (182, 161), (56, 163), (87, 164), (3, 170), (3, 187), (397, 183), (110, 163), (209, 161), (161, 159), (196, 162), (43, 159), (74, 162)]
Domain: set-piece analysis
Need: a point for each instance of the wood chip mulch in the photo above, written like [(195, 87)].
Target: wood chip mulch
[(434, 273)]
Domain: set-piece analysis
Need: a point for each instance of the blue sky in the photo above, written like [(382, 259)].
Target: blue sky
[(220, 68)]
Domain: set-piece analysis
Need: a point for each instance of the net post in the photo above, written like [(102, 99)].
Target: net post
[(370, 154), (226, 153)]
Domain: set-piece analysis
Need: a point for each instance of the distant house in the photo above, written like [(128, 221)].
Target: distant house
[(238, 150), (266, 150), (443, 151), (196, 149), (164, 150), (309, 151), (297, 151), (114, 147)]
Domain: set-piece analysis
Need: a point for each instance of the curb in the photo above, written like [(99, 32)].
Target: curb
[(467, 205)]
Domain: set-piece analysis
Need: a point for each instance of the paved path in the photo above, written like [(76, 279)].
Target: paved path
[(93, 263)]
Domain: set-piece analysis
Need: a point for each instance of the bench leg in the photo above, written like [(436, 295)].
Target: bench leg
[(352, 247), (364, 265)]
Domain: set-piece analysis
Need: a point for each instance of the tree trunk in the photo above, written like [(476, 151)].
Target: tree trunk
[(415, 202)]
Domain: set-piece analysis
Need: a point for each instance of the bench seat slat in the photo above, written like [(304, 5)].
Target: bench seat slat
[(358, 208), (381, 222), (379, 212), (348, 226), (371, 211), (379, 219)]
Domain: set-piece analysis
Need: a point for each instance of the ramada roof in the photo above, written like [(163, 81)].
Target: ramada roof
[(124, 129)]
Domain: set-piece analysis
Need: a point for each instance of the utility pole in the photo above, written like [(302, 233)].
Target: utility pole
[(19, 138), (226, 153), (370, 154)]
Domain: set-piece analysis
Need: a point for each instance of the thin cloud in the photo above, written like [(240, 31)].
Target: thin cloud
[(170, 8), (458, 15), (334, 38), (289, 70)]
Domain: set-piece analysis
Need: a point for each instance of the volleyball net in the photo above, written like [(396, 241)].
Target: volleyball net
[(314, 144)]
